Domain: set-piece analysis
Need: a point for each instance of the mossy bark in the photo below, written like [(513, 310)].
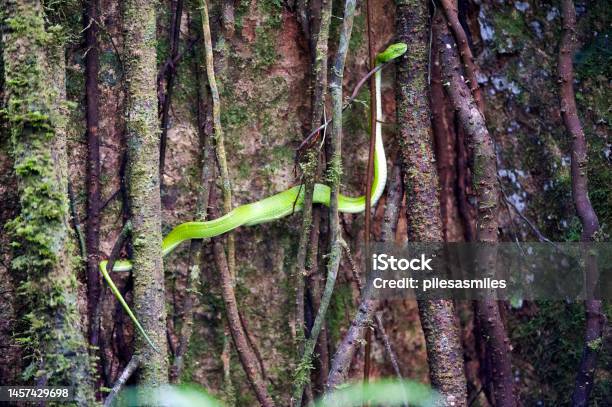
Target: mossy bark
[(44, 262), (438, 319), (143, 184)]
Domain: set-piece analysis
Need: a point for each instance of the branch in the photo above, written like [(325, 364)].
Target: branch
[(311, 165), (92, 227), (335, 170), (75, 223), (246, 355), (196, 247), (116, 251), (169, 72), (123, 378), (487, 190), (226, 186), (590, 224), (471, 70)]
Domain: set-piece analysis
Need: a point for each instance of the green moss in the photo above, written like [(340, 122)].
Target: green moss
[(511, 30), (338, 314), (234, 116), (44, 254), (548, 346), (334, 171), (272, 10), (265, 48), (358, 33)]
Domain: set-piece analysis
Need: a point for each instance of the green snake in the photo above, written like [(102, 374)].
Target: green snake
[(274, 207)]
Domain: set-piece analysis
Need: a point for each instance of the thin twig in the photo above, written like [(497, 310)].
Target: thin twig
[(226, 186), (349, 101), (353, 266), (131, 367), (335, 166), (533, 227), (368, 304)]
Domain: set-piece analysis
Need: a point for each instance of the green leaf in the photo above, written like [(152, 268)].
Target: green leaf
[(387, 392), (175, 396)]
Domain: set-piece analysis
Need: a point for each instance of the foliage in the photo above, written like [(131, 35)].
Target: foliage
[(387, 392)]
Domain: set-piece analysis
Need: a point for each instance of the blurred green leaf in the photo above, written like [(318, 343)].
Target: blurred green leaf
[(171, 396), (387, 392)]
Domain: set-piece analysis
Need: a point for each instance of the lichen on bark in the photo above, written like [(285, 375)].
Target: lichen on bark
[(421, 183), (143, 185), (44, 261)]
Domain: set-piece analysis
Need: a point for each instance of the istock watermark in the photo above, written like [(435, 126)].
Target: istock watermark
[(506, 271)]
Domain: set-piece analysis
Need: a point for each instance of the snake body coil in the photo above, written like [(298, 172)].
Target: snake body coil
[(274, 207)]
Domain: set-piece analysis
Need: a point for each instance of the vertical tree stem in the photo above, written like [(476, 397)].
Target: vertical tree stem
[(590, 224), (370, 169), (143, 186), (226, 186), (35, 92), (421, 182), (92, 238), (487, 190), (334, 174), (311, 164)]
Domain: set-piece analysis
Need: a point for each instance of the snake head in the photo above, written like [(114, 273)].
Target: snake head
[(393, 51)]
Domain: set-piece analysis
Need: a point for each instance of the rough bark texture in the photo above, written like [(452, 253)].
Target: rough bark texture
[(92, 239), (590, 224), (44, 262), (143, 184), (446, 143), (471, 70), (423, 207), (487, 188)]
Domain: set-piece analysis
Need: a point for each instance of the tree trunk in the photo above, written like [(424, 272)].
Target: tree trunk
[(487, 189), (580, 193), (92, 239), (143, 184), (44, 259), (421, 184)]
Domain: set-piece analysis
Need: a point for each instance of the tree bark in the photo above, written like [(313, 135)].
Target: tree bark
[(471, 69), (421, 184), (143, 185), (590, 224), (487, 189), (92, 237), (44, 260)]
